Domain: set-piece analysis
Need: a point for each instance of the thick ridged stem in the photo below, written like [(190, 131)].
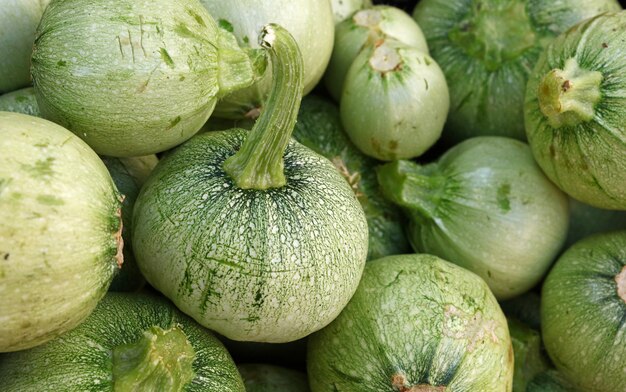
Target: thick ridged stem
[(161, 360), (568, 96), (408, 185), (259, 164)]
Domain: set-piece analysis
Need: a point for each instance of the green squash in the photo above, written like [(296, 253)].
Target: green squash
[(486, 206), (20, 101), (270, 378), (319, 128), (129, 174), (583, 313), (364, 29), (133, 77), (131, 342), (416, 323), (487, 49), (252, 234), (311, 23), (394, 101), (18, 22), (60, 231), (575, 111)]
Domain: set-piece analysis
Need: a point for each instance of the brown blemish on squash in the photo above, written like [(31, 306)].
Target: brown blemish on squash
[(473, 328), (400, 383), (566, 86), (620, 279), (353, 179)]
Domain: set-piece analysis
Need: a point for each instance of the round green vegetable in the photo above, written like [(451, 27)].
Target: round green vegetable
[(133, 77), (60, 231), (364, 29), (319, 128), (486, 206), (131, 342), (270, 378), (575, 111), (583, 312), (487, 49), (129, 174), (258, 239), (18, 22), (342, 9), (394, 101), (309, 21), (415, 324), (20, 101)]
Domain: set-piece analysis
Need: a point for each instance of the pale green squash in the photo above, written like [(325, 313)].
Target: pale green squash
[(133, 77), (60, 231)]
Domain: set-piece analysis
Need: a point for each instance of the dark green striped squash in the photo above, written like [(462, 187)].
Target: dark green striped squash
[(487, 49), (131, 342), (575, 111), (583, 313)]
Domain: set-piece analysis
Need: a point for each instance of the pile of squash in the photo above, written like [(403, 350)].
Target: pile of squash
[(312, 195)]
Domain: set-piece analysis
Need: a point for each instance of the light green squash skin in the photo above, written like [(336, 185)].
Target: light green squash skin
[(486, 206), (415, 317), (20, 101), (394, 101), (133, 77), (129, 174), (363, 29), (80, 360), (319, 128), (59, 231), (18, 22), (487, 61), (587, 160), (260, 377), (269, 266), (309, 21), (583, 317)]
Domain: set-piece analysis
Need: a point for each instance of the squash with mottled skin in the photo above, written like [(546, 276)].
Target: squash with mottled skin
[(131, 342), (417, 323), (583, 313)]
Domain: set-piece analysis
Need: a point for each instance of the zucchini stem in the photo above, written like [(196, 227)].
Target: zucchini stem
[(567, 97), (259, 163), (620, 279), (412, 187), (161, 360)]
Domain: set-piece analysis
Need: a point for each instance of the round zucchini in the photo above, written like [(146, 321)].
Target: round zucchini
[(131, 342), (416, 323), (254, 235), (576, 111), (60, 231), (583, 313), (487, 49)]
